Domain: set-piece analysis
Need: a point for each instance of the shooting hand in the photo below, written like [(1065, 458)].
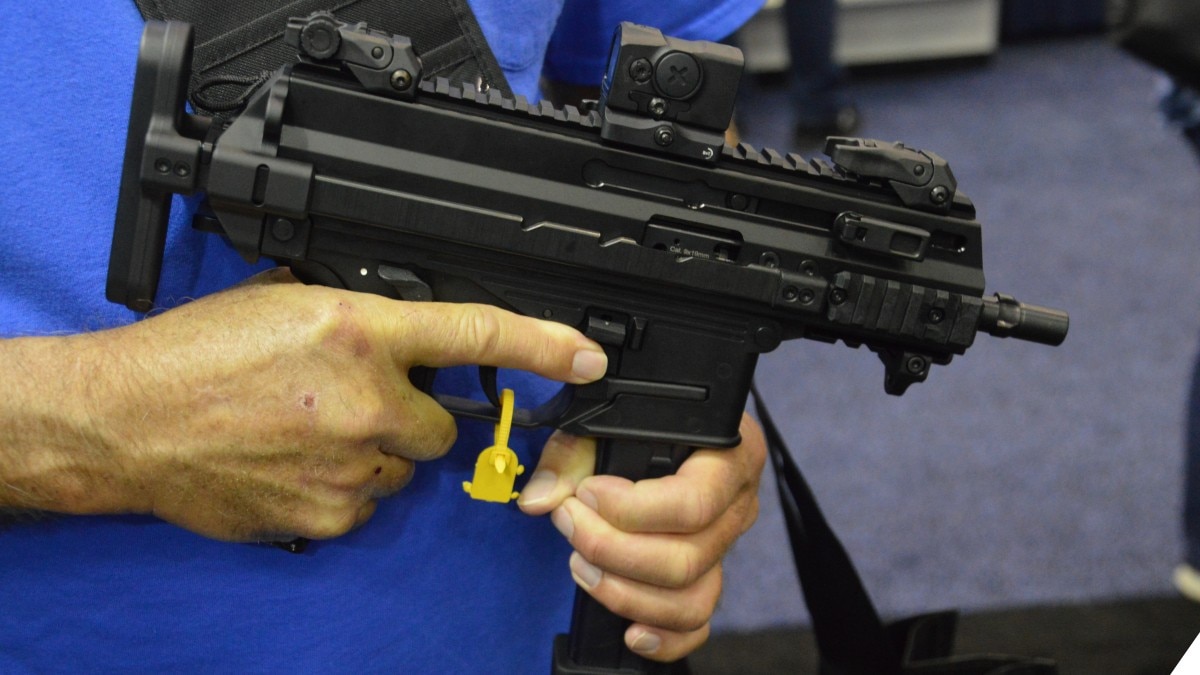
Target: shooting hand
[(271, 410), (651, 550)]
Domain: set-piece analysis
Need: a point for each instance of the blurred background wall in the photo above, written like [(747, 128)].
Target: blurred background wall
[(1018, 475)]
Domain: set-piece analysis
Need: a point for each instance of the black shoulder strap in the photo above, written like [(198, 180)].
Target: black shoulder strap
[(237, 41), (851, 638)]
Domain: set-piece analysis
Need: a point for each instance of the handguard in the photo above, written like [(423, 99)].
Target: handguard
[(628, 219)]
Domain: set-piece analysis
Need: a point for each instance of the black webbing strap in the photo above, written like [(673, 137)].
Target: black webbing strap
[(239, 42), (851, 638)]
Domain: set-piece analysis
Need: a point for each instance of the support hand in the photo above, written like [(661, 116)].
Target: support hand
[(651, 550)]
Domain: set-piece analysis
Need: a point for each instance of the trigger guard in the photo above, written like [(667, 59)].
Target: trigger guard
[(312, 272), (547, 414)]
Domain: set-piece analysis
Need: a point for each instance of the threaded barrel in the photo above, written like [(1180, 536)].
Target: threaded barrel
[(1004, 316)]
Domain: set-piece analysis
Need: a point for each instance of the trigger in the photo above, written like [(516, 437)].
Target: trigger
[(487, 380)]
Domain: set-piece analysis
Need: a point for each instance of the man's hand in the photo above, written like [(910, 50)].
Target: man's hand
[(266, 412), (651, 550)]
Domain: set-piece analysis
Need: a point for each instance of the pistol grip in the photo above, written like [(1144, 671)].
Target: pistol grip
[(596, 643)]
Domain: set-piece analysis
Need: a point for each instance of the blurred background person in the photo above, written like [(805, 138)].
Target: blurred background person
[(816, 81)]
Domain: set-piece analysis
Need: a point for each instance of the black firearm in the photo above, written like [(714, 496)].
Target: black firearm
[(628, 219)]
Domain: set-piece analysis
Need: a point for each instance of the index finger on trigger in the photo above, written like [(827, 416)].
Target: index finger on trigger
[(445, 334)]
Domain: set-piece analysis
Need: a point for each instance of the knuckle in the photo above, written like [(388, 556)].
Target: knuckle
[(706, 606), (619, 601), (688, 569), (753, 448), (329, 524), (480, 327), (702, 510), (326, 312), (363, 417), (398, 479), (337, 322), (371, 413), (551, 348), (427, 436), (682, 615), (343, 478), (691, 618), (750, 513), (590, 547), (364, 514), (443, 432)]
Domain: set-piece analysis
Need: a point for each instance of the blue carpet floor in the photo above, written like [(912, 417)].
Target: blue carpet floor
[(1020, 474)]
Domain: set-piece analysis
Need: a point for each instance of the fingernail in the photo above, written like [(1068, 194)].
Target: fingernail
[(588, 497), (646, 643), (562, 521), (539, 487), (589, 364), (585, 573)]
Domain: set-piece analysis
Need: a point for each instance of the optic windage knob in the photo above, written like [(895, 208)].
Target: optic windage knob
[(319, 37)]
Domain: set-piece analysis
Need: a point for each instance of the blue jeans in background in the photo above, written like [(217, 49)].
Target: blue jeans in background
[(819, 104)]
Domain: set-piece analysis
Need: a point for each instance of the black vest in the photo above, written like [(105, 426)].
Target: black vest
[(238, 42)]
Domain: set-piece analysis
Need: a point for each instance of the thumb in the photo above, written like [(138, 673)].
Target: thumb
[(443, 334), (566, 460)]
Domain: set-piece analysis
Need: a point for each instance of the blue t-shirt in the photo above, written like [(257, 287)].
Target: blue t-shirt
[(435, 582)]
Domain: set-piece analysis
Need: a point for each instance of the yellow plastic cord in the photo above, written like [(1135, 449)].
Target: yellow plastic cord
[(508, 401), (497, 467)]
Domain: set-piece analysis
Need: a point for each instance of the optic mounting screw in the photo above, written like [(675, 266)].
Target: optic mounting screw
[(664, 136), (939, 195), (791, 294), (401, 80), (936, 315), (657, 107), (916, 365), (837, 296)]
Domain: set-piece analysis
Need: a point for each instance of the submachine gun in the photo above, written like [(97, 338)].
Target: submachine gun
[(627, 218)]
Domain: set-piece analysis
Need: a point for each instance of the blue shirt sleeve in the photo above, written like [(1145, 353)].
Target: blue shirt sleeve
[(518, 33)]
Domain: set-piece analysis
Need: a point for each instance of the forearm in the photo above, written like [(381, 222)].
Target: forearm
[(56, 453)]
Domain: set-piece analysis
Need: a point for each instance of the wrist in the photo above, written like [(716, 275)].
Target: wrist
[(59, 450)]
